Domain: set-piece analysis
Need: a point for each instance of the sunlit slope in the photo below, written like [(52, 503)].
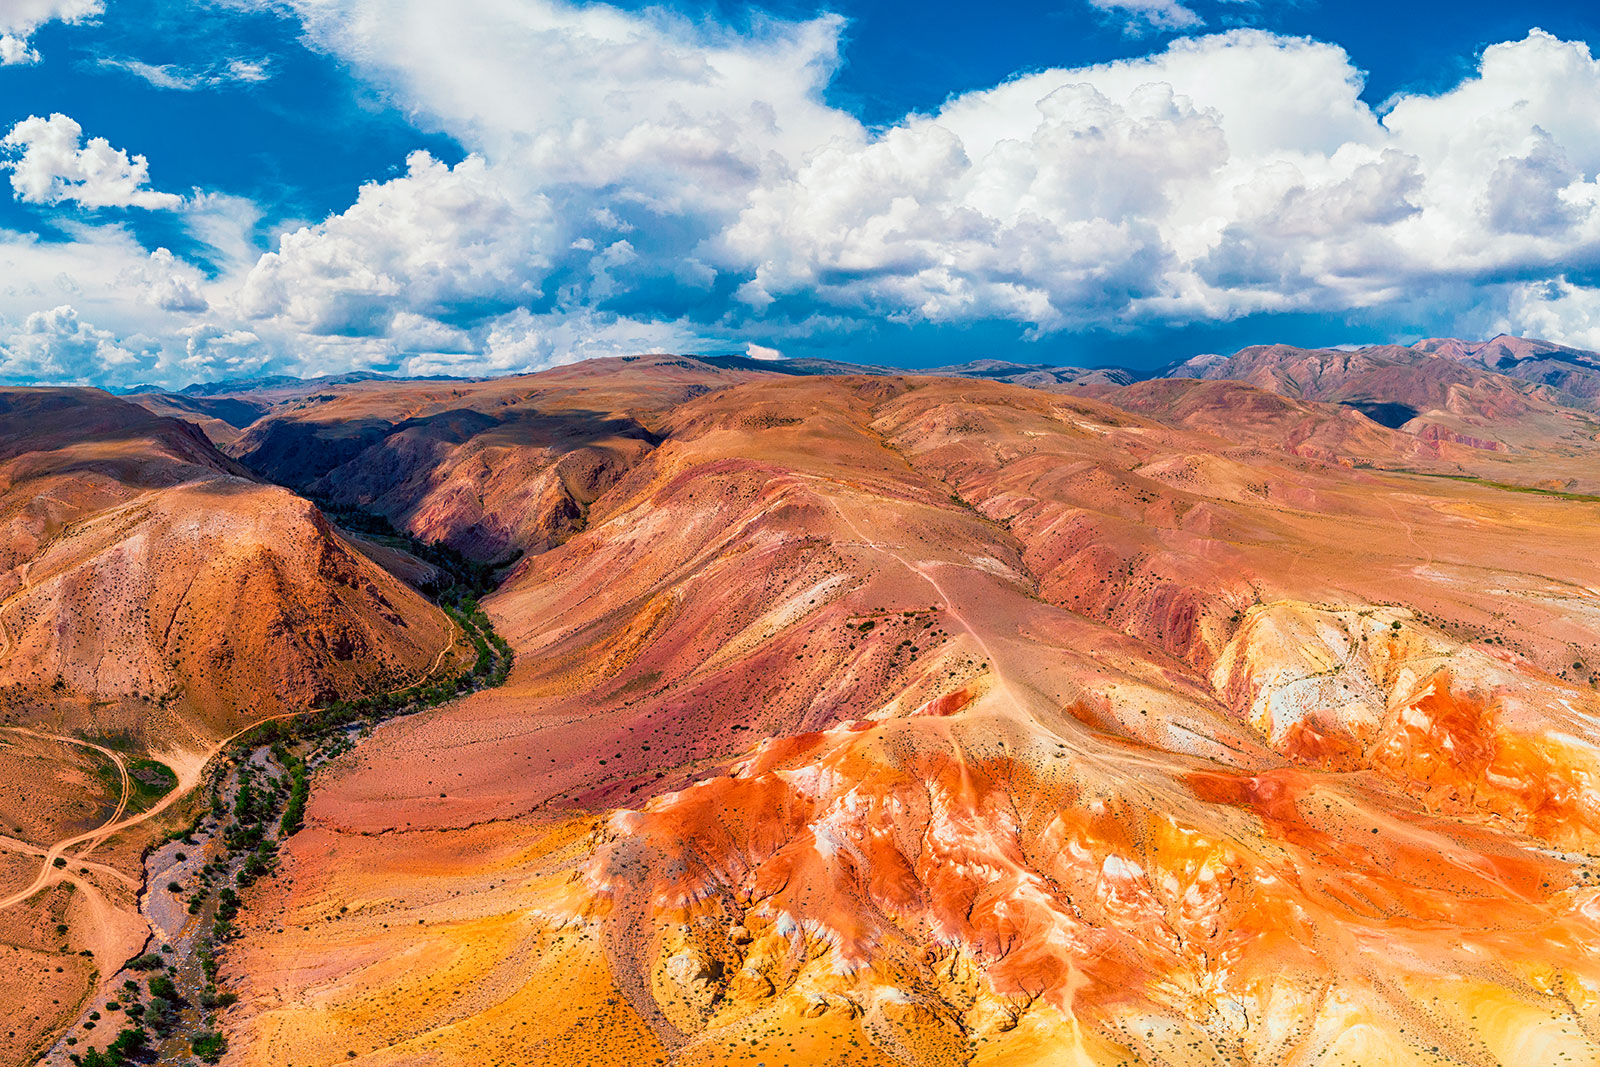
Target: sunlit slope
[(1489, 408), (934, 721), (150, 588), (154, 599)]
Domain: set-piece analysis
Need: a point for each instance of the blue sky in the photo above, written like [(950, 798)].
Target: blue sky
[(237, 187)]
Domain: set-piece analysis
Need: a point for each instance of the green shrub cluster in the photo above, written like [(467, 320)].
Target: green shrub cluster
[(294, 809), (128, 1047), (262, 798)]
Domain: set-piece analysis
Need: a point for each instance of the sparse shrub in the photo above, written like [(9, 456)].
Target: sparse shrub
[(130, 1043), (209, 1045), (162, 1015)]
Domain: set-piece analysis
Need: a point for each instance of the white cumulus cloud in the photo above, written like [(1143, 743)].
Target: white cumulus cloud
[(59, 346), (521, 341), (431, 241), (50, 162), (16, 51), (1219, 177), (20, 18), (645, 180)]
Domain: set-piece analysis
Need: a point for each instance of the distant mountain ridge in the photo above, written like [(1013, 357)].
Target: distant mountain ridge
[(1501, 397), (1572, 371), (228, 386), (1498, 395), (1366, 374), (993, 369)]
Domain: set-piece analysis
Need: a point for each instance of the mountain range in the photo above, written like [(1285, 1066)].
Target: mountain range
[(992, 714)]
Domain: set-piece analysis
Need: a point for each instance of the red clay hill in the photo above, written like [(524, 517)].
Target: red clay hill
[(149, 586), (931, 720), (155, 598)]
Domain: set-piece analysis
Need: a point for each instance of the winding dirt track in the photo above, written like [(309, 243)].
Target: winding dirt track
[(7, 645), (189, 773), (122, 799), (48, 873), (920, 569)]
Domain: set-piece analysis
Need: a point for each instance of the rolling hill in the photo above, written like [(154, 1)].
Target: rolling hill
[(931, 720), (155, 598)]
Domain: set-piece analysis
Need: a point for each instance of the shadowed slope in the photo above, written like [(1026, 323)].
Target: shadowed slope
[(490, 468), (222, 419)]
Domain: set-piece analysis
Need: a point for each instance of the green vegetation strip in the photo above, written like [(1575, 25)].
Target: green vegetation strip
[(1510, 487), (156, 1011)]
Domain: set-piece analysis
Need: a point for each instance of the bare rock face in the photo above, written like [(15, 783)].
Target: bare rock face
[(155, 599), (1574, 372)]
